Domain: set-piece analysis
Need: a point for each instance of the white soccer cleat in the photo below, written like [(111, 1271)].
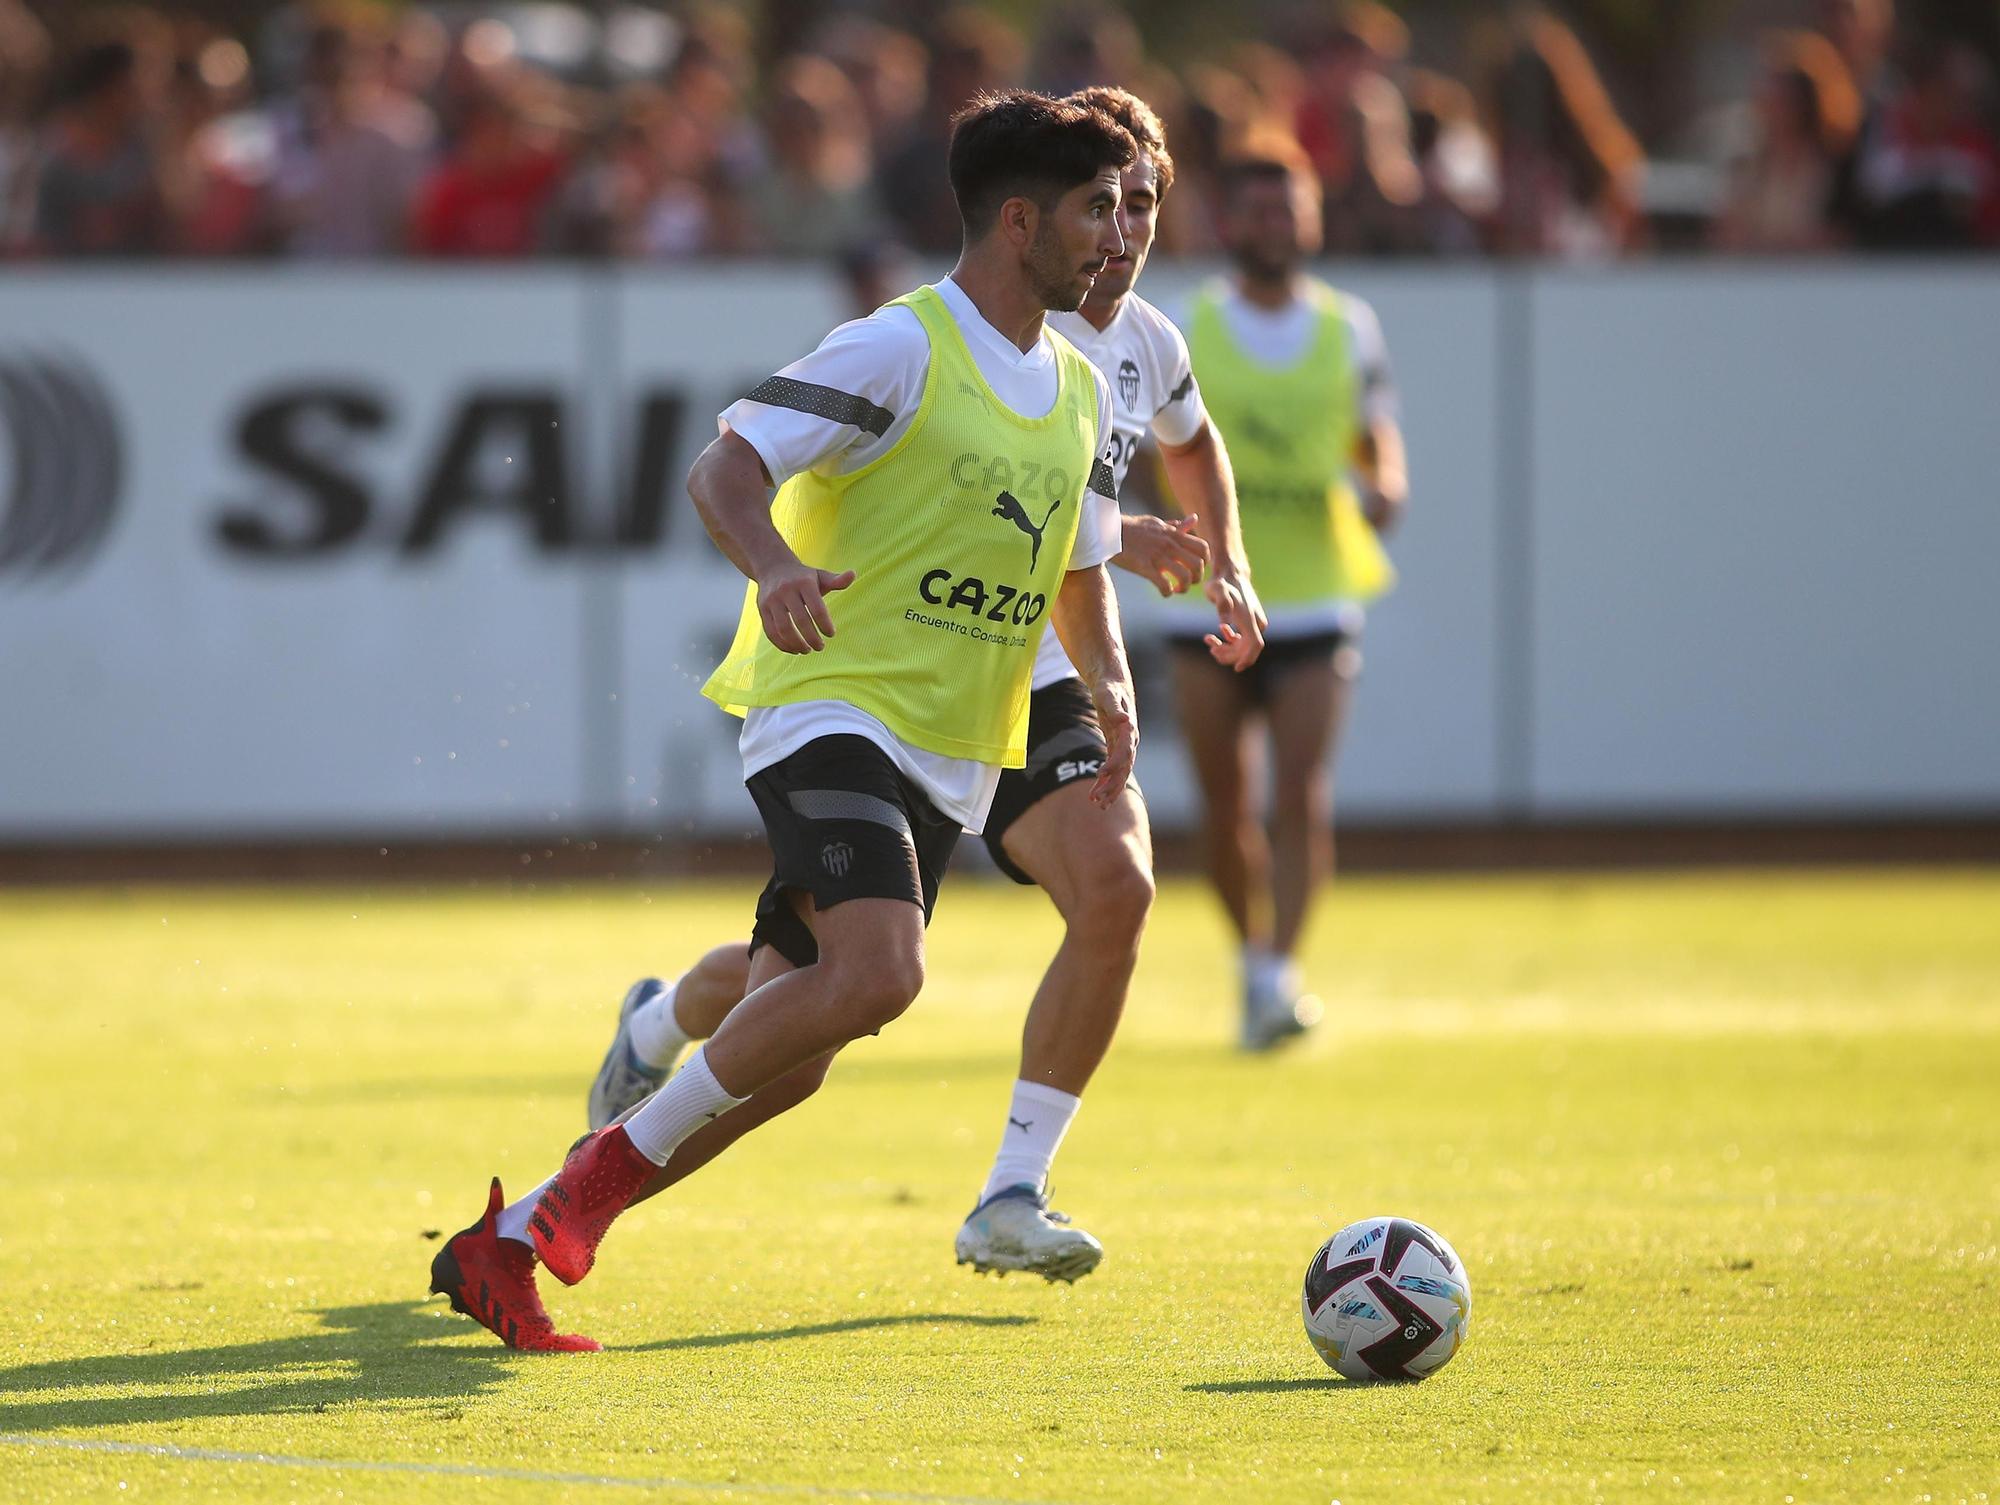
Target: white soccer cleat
[(1015, 1230), (1274, 1011), (624, 1081)]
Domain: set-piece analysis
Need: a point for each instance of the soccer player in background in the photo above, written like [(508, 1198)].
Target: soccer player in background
[(1098, 872), (1296, 376), (940, 502)]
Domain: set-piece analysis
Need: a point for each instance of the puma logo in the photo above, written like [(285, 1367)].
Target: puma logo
[(1257, 427), (1007, 505), (1023, 1124)]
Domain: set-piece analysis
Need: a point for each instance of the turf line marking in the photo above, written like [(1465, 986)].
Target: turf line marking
[(474, 1471)]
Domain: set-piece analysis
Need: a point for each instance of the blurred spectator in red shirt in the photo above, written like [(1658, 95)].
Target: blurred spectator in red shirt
[(219, 163), (98, 190), (1806, 116), (816, 196), (1928, 176), (489, 196), (1354, 126), (1570, 171)]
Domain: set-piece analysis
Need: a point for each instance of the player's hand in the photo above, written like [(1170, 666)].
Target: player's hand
[(1238, 639), (791, 599), (1120, 725), (1169, 554), (1382, 510)]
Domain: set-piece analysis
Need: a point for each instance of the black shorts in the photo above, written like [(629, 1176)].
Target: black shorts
[(844, 823), (1065, 744), (1280, 657)]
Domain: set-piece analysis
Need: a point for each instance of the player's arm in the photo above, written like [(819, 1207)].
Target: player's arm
[(1085, 621), (1204, 485), (1383, 471), (1085, 618), (732, 492), (827, 409), (1380, 464)]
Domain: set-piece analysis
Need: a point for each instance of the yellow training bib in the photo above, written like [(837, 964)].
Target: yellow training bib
[(959, 538), (1291, 432)]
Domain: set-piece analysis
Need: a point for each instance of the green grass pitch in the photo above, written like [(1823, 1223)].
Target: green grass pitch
[(1722, 1153)]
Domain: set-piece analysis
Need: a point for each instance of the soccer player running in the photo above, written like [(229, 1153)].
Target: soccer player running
[(1100, 874), (1296, 376), (940, 502), (1097, 871)]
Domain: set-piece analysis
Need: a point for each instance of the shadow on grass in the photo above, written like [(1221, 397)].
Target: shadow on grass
[(1271, 1387), (392, 1355), (391, 1352), (822, 1329)]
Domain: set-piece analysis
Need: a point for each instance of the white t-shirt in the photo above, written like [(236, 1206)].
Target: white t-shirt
[(1278, 337), (879, 364), (1146, 360)]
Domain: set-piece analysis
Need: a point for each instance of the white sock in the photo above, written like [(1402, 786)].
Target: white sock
[(1265, 972), (690, 1099), (513, 1220), (657, 1036), (1037, 1119)]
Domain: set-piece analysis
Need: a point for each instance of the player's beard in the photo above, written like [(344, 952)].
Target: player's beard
[(1058, 282), (1262, 263)]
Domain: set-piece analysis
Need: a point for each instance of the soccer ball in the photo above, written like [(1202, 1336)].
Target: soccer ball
[(1386, 1299)]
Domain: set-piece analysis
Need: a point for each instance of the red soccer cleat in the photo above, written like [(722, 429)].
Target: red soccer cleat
[(492, 1280), (596, 1183)]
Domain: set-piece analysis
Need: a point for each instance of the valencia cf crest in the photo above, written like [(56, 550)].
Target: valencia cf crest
[(835, 857), (1128, 384)]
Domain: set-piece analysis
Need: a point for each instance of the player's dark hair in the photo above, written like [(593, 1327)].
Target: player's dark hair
[(1133, 113), (1019, 144), (1264, 160)]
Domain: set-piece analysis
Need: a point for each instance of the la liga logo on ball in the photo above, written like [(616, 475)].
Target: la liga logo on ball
[(1386, 1299)]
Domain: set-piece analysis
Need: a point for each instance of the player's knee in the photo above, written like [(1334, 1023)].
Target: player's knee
[(1226, 816), (1307, 803), (877, 990), (1116, 901)]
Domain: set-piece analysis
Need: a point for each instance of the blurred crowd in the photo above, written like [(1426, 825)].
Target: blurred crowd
[(507, 131)]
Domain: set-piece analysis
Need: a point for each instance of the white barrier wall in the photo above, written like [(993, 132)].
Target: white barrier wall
[(324, 664), (405, 552), (1766, 520)]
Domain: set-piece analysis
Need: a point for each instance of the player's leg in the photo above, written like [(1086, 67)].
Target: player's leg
[(488, 1270), (1223, 728), (870, 969), (657, 1021), (1308, 704), (1217, 728), (767, 961), (702, 998), (1097, 867), (849, 830)]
